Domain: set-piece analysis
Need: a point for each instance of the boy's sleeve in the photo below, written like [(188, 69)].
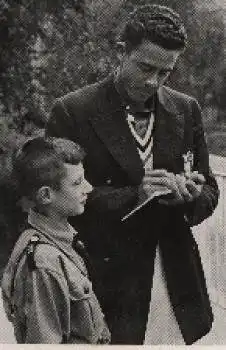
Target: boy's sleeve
[(48, 309)]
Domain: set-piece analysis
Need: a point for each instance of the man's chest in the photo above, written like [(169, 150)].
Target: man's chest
[(111, 148)]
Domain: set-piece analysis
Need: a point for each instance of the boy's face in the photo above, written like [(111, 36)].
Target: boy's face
[(71, 198)]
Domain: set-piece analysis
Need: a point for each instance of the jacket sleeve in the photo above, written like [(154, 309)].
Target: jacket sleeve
[(203, 206), (108, 200), (113, 202), (60, 123)]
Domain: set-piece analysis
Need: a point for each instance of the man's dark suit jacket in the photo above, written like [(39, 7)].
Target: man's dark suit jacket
[(123, 253)]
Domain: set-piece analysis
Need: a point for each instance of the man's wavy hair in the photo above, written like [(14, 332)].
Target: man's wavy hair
[(158, 24)]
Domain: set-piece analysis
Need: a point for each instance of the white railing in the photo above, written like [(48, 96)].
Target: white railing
[(211, 238)]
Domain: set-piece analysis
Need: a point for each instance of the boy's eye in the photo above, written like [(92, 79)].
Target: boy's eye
[(78, 182)]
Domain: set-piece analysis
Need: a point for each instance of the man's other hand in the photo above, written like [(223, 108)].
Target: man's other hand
[(194, 184)]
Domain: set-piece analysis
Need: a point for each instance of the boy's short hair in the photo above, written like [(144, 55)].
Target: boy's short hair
[(40, 162), (158, 24)]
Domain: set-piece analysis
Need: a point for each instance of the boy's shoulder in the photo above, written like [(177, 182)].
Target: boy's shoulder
[(36, 250), (46, 255), (39, 251)]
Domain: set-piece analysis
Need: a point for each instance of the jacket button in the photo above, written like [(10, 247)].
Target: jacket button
[(108, 181), (106, 259)]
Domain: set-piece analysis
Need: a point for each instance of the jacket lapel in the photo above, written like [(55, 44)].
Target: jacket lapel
[(111, 126), (168, 133)]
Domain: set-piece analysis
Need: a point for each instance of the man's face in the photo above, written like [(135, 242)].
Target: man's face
[(71, 198), (145, 69)]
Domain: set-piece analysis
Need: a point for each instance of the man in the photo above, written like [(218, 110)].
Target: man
[(139, 136)]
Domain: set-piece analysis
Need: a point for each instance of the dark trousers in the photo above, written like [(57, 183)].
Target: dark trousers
[(125, 299)]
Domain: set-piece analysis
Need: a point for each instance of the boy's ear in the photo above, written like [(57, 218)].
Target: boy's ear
[(44, 195)]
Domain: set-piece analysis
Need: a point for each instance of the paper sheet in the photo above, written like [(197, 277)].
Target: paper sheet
[(155, 194)]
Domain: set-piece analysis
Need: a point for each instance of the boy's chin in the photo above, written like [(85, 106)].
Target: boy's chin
[(79, 211)]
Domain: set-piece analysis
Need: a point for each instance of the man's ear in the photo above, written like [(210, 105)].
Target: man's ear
[(44, 195)]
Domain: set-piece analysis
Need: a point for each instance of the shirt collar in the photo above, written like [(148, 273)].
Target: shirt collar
[(46, 226)]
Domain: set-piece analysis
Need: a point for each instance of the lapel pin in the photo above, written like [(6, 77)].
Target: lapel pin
[(130, 118), (188, 163)]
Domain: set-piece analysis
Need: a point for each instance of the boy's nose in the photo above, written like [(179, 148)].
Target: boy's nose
[(87, 187)]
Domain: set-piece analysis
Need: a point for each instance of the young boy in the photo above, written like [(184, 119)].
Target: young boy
[(46, 288)]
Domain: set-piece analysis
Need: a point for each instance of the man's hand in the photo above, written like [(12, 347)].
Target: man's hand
[(193, 184), (183, 188), (155, 180)]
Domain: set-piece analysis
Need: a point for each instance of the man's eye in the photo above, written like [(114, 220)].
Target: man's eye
[(146, 68), (164, 72)]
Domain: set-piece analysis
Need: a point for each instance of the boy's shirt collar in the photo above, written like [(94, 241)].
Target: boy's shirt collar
[(46, 225)]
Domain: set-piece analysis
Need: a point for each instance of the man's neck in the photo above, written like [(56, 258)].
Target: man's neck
[(136, 106)]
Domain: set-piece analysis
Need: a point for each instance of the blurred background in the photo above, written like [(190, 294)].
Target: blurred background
[(51, 47)]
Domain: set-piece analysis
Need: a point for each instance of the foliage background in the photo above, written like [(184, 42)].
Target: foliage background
[(51, 47)]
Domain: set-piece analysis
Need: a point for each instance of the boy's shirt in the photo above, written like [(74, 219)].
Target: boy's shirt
[(53, 302)]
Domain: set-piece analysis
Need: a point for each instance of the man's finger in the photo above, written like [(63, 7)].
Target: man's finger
[(181, 182), (162, 181), (193, 188), (196, 177), (154, 180), (156, 172)]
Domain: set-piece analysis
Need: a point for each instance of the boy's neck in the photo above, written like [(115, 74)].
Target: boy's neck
[(57, 222)]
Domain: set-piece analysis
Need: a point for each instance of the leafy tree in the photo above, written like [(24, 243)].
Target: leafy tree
[(49, 48)]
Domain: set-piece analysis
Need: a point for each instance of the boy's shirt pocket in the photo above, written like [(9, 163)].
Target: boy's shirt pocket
[(87, 319)]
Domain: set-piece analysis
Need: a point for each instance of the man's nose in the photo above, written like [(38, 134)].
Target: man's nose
[(152, 82)]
